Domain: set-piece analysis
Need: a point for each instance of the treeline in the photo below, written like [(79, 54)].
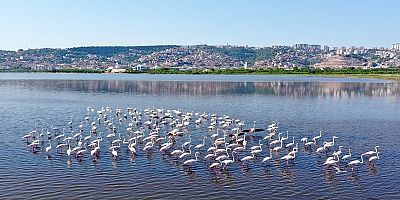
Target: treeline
[(108, 51), (309, 71)]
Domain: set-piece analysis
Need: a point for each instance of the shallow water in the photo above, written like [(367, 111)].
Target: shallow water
[(363, 113)]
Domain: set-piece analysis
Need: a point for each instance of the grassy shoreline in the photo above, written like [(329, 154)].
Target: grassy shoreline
[(387, 74)]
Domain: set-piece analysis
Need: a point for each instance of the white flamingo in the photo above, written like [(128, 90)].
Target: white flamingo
[(327, 145), (191, 161), (317, 137), (226, 162), (356, 162), (276, 149), (369, 153), (201, 145), (373, 158), (345, 157), (267, 158), (247, 158)]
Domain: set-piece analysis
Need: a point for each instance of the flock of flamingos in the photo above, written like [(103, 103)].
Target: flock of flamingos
[(227, 142)]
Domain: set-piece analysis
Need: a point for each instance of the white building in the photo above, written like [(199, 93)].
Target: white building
[(396, 46)]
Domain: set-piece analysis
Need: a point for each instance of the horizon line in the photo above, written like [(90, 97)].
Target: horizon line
[(235, 45)]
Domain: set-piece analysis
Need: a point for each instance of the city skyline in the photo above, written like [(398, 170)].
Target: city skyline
[(63, 24)]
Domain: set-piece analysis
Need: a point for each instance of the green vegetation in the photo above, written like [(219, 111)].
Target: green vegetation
[(390, 73), (309, 71), (107, 51), (245, 54)]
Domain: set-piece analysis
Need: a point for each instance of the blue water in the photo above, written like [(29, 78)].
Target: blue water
[(363, 113)]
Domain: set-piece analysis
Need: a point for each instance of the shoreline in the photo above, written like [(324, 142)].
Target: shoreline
[(384, 76)]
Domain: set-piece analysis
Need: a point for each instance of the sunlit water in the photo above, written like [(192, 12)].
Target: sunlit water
[(363, 113)]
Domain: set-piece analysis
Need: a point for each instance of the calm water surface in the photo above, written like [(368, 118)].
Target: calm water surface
[(363, 113)]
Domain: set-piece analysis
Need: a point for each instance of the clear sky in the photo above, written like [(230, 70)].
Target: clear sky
[(68, 23)]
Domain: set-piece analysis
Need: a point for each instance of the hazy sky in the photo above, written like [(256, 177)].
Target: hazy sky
[(67, 23)]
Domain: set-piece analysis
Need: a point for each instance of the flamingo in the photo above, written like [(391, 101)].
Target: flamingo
[(165, 147), (356, 162), (114, 153), (70, 122), (212, 148), (60, 146), (242, 148), (95, 151), (256, 151), (191, 161), (48, 148), (211, 155), (69, 151), (215, 135), (347, 156), (226, 162), (287, 136), (81, 152), (188, 142), (338, 152), (247, 158), (148, 147), (27, 136), (308, 144), (177, 152), (201, 145), (290, 144), (276, 149), (327, 145), (317, 137), (186, 153), (320, 149), (295, 150), (215, 164), (222, 157), (267, 158), (257, 147), (369, 153), (276, 141), (331, 160), (76, 149), (373, 158), (289, 157)]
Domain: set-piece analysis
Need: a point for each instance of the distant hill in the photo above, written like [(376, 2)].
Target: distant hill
[(108, 51), (194, 56)]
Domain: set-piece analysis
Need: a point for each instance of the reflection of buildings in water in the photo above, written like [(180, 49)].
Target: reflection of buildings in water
[(194, 88)]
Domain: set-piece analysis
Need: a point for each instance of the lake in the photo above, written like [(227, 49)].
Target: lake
[(362, 113)]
